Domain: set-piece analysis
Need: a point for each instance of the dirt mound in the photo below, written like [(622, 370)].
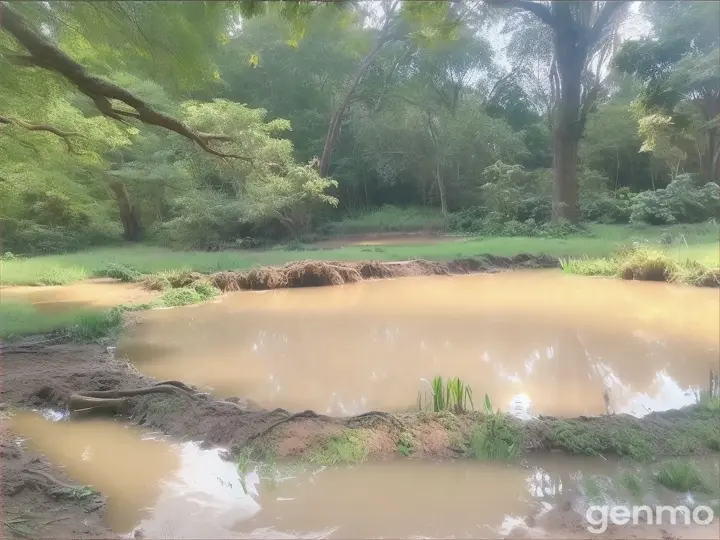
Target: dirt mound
[(325, 273)]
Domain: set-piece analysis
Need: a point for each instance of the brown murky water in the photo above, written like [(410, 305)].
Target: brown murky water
[(102, 293), (181, 491), (543, 338)]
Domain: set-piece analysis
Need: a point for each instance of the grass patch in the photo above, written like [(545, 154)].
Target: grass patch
[(496, 437), (702, 246), (388, 219), (681, 476), (121, 272), (348, 448), (183, 296), (578, 437), (647, 264), (95, 327), (78, 326), (633, 482), (405, 444)]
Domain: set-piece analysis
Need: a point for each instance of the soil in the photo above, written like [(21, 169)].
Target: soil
[(62, 375), (326, 273)]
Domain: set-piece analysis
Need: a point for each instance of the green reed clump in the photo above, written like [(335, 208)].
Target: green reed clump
[(455, 395), (496, 437), (681, 476)]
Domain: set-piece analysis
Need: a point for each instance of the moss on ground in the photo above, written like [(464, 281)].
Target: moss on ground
[(347, 448)]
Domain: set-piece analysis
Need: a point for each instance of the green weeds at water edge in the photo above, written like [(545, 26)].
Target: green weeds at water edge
[(454, 396), (495, 437), (347, 448), (646, 264), (681, 476)]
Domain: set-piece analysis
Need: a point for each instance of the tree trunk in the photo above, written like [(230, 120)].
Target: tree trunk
[(565, 183), (441, 189), (336, 120), (568, 123), (129, 214), (710, 168)]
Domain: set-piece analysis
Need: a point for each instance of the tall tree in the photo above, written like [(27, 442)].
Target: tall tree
[(680, 68), (582, 33)]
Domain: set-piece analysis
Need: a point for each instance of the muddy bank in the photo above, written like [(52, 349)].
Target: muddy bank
[(38, 501), (325, 273), (85, 376)]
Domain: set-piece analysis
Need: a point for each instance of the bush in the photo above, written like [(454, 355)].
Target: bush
[(30, 238), (121, 272), (388, 218), (183, 296), (606, 206), (682, 201)]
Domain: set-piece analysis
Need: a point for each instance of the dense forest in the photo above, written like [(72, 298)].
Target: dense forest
[(210, 125)]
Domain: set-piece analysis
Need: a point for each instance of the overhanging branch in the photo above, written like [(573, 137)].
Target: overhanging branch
[(66, 136), (539, 10), (47, 56)]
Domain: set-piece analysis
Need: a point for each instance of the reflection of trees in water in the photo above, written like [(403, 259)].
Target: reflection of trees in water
[(349, 362)]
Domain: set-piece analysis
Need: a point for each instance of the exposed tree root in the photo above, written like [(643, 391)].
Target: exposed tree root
[(115, 399), (51, 479)]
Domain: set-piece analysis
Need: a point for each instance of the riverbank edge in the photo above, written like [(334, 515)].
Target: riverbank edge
[(97, 382), (88, 379)]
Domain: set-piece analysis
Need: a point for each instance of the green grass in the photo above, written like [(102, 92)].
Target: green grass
[(647, 264), (389, 219), (183, 296), (348, 448), (62, 269), (20, 319), (681, 476), (496, 437)]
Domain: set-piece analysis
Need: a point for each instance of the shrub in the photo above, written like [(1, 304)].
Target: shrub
[(681, 201), (121, 272), (496, 437), (183, 296), (681, 476)]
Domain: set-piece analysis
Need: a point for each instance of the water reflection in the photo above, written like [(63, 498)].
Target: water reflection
[(182, 491), (563, 344)]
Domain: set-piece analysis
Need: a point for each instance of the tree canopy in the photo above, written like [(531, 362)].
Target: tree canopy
[(204, 124)]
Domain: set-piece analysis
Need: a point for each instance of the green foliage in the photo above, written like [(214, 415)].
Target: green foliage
[(647, 264), (95, 327), (453, 395), (386, 219), (348, 448), (182, 296), (680, 475), (121, 272), (496, 436), (577, 438), (681, 201)]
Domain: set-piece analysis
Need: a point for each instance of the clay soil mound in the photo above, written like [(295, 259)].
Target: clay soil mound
[(325, 273)]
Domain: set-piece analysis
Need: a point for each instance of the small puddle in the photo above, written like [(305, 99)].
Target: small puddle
[(181, 491), (540, 341), (101, 293)]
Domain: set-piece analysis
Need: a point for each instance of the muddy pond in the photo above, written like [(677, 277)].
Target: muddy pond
[(537, 342), (178, 490)]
